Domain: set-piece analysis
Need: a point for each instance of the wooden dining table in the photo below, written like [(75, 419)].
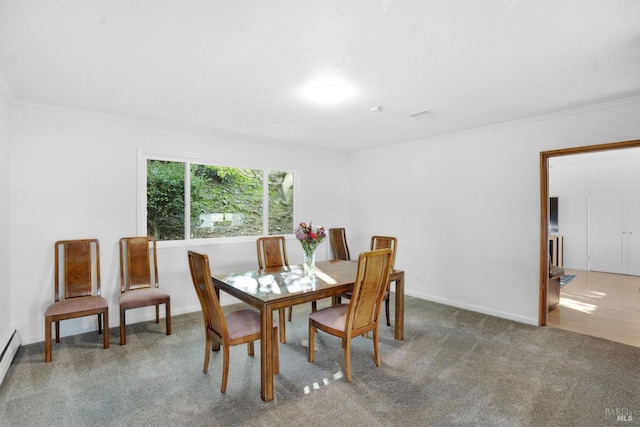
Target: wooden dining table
[(272, 289)]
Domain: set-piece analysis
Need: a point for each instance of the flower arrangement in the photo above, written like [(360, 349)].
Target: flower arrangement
[(310, 236)]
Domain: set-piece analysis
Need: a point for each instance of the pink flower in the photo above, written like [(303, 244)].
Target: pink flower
[(308, 233)]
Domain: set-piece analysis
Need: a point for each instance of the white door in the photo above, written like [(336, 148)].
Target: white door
[(614, 227), (605, 224), (632, 227)]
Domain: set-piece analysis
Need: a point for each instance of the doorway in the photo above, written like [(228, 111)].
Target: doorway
[(544, 211)]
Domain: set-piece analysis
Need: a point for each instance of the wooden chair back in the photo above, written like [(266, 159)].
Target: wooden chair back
[(234, 328), (77, 268), (371, 281), (138, 263), (77, 289), (211, 309), (272, 252), (382, 242), (338, 239)]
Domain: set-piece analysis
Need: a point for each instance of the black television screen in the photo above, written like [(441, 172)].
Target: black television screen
[(553, 215)]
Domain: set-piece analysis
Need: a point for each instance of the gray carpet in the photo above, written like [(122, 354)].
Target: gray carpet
[(454, 367)]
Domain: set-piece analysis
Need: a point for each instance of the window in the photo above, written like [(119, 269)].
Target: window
[(188, 200)]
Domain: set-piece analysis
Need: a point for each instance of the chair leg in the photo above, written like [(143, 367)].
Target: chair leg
[(207, 352), (167, 309), (57, 331), (105, 328), (283, 332), (157, 313), (123, 328), (47, 340), (250, 348), (376, 346), (386, 310), (347, 358), (225, 368), (312, 342), (99, 323), (290, 313), (314, 306), (276, 352)]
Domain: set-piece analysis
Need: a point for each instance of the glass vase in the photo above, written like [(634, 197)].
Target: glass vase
[(309, 261)]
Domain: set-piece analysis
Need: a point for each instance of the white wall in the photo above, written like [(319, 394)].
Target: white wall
[(6, 324), (74, 176), (569, 180), (466, 207)]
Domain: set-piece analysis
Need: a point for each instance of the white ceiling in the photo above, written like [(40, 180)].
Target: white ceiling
[(238, 67)]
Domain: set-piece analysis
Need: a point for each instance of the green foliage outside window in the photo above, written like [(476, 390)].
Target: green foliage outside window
[(165, 200), (229, 201), (280, 203), (224, 201)]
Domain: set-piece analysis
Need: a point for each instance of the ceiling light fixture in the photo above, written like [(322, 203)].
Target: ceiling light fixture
[(326, 94), (419, 115)]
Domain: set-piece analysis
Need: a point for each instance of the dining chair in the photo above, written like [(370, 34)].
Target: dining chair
[(237, 327), (139, 281), (338, 239), (77, 289), (272, 253), (381, 242), (360, 316)]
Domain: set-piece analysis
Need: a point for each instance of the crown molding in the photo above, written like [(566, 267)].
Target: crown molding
[(292, 145), (218, 134), (517, 122)]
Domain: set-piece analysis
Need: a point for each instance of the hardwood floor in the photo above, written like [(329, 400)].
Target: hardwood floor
[(602, 305)]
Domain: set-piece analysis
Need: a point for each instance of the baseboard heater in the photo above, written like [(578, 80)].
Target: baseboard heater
[(8, 353)]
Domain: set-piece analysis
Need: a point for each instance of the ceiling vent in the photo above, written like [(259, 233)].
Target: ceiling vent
[(419, 115)]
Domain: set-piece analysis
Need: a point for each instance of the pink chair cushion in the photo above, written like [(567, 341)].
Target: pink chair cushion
[(146, 296), (334, 316), (73, 305), (243, 322)]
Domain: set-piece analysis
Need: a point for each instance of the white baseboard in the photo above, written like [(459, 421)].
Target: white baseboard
[(478, 309), (8, 353)]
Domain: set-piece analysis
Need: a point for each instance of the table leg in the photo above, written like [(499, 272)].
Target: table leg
[(216, 344), (266, 352), (399, 320)]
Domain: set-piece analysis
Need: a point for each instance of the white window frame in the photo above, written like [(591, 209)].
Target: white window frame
[(188, 159)]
